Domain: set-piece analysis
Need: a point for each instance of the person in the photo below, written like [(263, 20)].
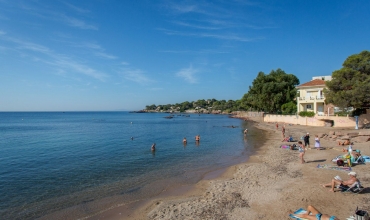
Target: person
[(317, 142), (283, 130), (132, 138), (314, 214), (197, 138), (184, 140), (307, 140), (338, 182), (301, 151), (345, 142), (153, 147), (277, 126), (246, 131)]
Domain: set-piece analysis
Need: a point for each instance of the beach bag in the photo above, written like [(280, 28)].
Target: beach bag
[(361, 215), (340, 163)]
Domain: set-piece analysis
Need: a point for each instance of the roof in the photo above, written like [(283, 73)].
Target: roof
[(315, 82)]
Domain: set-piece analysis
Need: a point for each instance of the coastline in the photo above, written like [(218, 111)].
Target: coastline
[(268, 185)]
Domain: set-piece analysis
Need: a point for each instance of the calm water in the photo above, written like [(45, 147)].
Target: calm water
[(79, 163)]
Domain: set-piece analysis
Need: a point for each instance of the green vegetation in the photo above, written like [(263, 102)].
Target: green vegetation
[(306, 114), (350, 85), (201, 105), (270, 92)]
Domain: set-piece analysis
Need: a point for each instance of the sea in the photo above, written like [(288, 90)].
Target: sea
[(74, 165)]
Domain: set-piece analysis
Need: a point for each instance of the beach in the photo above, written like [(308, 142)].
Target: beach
[(270, 184)]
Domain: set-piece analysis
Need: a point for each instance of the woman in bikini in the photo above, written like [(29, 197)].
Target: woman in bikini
[(301, 150), (315, 215)]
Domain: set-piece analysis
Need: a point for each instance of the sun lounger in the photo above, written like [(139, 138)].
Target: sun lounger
[(355, 188)]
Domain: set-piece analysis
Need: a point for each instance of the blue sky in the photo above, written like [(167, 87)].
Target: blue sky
[(95, 55)]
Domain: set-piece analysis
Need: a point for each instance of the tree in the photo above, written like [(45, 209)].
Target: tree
[(269, 92), (350, 85)]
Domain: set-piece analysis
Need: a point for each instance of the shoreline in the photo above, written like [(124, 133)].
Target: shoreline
[(268, 185)]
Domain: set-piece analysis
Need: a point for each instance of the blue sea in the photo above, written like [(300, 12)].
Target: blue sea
[(75, 164)]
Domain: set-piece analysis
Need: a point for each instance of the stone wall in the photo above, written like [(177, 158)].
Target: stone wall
[(335, 121)]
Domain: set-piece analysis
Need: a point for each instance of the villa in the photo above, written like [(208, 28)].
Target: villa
[(311, 97)]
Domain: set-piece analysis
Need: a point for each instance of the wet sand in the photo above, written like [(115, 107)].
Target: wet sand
[(271, 183)]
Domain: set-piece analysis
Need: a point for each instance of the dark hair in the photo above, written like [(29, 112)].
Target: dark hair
[(299, 142)]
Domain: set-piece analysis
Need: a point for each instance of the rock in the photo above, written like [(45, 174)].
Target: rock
[(364, 133), (360, 139), (353, 134)]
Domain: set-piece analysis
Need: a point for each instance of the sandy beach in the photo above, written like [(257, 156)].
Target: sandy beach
[(271, 183)]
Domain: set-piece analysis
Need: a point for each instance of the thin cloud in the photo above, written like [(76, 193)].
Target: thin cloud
[(136, 75), (188, 74), (105, 56), (125, 63), (226, 36), (195, 26), (75, 8), (55, 59), (74, 22), (98, 50)]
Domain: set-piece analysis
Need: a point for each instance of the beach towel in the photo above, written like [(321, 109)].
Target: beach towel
[(331, 167), (285, 147), (366, 158), (299, 211)]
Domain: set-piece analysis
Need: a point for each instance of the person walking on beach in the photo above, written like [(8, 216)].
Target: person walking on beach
[(283, 131), (307, 140), (317, 142), (301, 150)]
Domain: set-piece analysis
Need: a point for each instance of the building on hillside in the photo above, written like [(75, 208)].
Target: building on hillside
[(311, 97)]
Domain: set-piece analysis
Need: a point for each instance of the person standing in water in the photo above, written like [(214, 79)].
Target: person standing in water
[(153, 147), (246, 131), (184, 140), (197, 138)]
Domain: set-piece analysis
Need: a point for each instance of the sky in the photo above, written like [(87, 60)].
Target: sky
[(113, 55)]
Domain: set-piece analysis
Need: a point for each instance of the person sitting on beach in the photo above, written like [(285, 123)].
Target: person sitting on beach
[(184, 140), (314, 214), (286, 139), (338, 182), (153, 147), (345, 142)]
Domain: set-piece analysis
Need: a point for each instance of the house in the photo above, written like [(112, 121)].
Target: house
[(310, 96)]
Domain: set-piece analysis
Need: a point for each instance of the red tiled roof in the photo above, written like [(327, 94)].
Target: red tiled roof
[(315, 82)]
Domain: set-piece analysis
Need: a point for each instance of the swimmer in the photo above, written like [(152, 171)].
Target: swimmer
[(132, 138), (245, 131), (184, 140), (153, 147), (197, 138)]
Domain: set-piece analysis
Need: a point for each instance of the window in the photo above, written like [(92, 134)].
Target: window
[(309, 106)]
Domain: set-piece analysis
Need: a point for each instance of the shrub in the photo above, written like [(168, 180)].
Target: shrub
[(306, 114)]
